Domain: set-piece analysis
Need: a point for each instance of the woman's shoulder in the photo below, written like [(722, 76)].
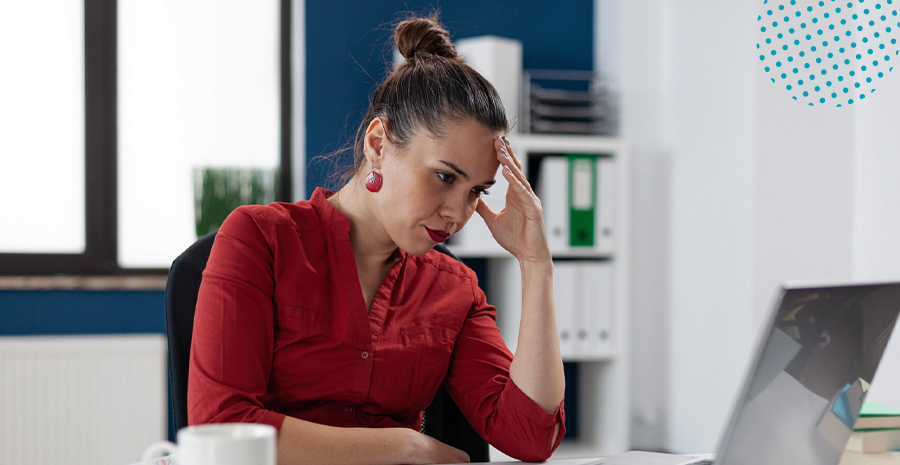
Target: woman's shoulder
[(444, 277), (300, 215), (445, 265)]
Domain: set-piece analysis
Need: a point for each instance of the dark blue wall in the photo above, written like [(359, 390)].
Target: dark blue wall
[(81, 312), (349, 44)]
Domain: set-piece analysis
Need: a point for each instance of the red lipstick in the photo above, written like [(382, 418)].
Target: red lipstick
[(437, 236)]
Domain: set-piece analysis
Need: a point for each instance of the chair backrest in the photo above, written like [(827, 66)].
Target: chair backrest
[(182, 288), (442, 419)]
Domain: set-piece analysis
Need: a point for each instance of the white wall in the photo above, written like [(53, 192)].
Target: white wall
[(688, 118), (644, 98), (876, 251), (876, 186), (712, 214), (736, 188), (804, 189)]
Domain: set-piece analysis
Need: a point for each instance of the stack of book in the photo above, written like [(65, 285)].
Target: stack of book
[(876, 430)]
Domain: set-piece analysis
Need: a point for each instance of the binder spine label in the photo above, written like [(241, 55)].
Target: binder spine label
[(582, 194)]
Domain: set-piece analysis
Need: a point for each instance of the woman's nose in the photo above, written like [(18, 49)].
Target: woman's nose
[(457, 209)]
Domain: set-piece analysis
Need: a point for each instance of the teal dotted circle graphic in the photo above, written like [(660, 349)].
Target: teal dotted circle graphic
[(845, 46)]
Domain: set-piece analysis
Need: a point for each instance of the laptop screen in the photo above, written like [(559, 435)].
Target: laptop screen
[(809, 380)]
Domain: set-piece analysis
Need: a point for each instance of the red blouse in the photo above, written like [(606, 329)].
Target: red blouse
[(281, 328)]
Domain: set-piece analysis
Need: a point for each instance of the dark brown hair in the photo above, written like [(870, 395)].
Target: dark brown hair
[(434, 86)]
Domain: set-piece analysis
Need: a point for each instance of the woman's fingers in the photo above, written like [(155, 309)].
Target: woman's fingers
[(485, 212), (516, 169), (507, 149), (517, 184)]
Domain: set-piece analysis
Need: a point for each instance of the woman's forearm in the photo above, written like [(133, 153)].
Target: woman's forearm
[(302, 442), (537, 366)]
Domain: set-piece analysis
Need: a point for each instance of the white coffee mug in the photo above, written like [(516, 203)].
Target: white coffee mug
[(219, 444)]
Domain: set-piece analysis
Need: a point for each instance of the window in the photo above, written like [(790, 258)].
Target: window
[(121, 101), (198, 86), (42, 127)]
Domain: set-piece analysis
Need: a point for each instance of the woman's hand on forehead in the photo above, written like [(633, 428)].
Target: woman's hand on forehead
[(519, 227)]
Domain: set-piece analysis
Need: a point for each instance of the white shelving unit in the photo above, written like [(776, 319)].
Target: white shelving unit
[(604, 392)]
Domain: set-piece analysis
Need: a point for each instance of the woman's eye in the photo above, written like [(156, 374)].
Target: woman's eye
[(449, 178)]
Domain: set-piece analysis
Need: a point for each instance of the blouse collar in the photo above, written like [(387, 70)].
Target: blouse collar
[(326, 210)]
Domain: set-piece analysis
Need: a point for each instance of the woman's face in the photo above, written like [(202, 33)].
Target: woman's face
[(434, 184)]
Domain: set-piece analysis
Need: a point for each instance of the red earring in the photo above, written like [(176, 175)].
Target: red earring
[(373, 181)]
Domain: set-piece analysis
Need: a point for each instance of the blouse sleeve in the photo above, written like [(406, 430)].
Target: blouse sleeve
[(233, 339), (479, 382)]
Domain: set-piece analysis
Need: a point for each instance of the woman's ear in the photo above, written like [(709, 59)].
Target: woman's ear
[(374, 142)]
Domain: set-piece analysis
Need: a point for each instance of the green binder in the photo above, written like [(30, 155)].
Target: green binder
[(582, 199)]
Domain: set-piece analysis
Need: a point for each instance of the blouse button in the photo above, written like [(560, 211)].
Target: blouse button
[(348, 410), (358, 397), (364, 355)]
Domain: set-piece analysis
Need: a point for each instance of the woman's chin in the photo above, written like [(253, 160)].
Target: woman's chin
[(418, 249)]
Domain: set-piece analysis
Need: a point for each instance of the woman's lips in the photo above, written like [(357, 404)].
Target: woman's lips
[(437, 236)]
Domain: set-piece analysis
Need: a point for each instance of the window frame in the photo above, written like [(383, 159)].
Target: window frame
[(100, 256)]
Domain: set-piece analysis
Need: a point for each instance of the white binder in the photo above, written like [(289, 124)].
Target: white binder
[(554, 194), (564, 290), (606, 206), (594, 315)]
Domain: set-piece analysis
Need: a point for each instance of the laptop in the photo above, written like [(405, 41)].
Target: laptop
[(811, 372)]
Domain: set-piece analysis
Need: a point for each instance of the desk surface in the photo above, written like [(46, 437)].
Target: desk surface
[(849, 458)]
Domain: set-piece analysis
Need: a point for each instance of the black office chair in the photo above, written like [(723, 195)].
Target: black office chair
[(442, 419)]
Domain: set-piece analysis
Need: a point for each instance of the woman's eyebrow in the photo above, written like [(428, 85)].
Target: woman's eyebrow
[(463, 173)]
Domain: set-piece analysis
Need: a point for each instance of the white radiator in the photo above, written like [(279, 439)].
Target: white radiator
[(71, 400)]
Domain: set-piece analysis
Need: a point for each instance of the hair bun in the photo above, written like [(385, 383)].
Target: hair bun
[(423, 35)]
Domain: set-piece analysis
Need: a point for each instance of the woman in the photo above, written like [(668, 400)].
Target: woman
[(334, 320)]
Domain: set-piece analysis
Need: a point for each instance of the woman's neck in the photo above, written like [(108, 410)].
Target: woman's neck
[(372, 246)]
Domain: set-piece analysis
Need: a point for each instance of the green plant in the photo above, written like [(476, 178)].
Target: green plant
[(219, 190)]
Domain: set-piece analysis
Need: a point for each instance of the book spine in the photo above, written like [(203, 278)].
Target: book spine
[(874, 440)]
